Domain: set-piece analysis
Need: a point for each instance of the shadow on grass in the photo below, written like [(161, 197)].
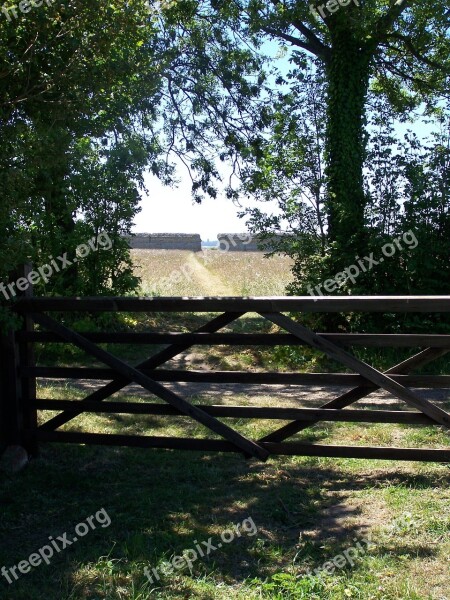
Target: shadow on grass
[(163, 502)]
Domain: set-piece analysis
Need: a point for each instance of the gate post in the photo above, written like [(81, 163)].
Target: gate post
[(3, 424), (27, 385), (10, 412), (18, 415)]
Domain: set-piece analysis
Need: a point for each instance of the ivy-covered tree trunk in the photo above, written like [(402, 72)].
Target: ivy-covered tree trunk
[(347, 73)]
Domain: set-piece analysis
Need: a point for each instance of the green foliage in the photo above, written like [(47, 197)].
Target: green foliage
[(284, 586), (73, 78), (396, 53), (406, 181), (290, 168), (91, 95)]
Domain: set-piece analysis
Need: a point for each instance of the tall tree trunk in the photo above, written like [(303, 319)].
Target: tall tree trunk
[(348, 72)]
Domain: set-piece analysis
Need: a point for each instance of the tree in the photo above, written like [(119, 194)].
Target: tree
[(406, 182), (71, 75), (290, 169), (426, 173), (88, 74), (400, 47)]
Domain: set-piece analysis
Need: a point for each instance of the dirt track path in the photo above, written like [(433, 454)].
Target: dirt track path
[(308, 396), (211, 284)]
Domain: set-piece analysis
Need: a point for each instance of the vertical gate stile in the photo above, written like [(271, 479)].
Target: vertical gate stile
[(28, 383), (11, 414), (14, 411), (3, 395)]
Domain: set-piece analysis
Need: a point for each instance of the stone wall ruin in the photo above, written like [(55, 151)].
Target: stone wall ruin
[(166, 241)]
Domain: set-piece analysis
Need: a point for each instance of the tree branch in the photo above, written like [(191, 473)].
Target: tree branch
[(321, 49), (414, 52), (385, 22), (313, 43), (289, 38), (421, 84)]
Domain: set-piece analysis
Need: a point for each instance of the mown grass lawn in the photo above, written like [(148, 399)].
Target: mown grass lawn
[(306, 512)]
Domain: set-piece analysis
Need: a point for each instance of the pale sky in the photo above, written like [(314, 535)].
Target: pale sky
[(170, 210)]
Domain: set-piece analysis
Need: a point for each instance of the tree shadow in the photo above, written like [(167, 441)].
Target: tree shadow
[(163, 502)]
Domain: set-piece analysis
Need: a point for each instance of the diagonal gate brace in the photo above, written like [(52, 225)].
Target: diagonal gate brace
[(247, 446), (153, 362), (373, 375)]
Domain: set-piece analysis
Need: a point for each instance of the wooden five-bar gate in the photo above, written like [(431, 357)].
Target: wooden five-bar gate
[(42, 323)]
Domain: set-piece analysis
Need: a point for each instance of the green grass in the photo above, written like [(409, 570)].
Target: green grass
[(163, 502), (306, 510)]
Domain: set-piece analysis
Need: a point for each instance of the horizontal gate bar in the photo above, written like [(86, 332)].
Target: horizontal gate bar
[(291, 449), (136, 441), (243, 412), (229, 377), (401, 304), (249, 339), (414, 454)]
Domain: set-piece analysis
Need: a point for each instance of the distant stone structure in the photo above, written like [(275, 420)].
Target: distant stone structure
[(166, 241), (227, 242), (237, 242), (246, 242)]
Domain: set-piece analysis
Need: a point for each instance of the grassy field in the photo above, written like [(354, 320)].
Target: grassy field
[(324, 529), (211, 273)]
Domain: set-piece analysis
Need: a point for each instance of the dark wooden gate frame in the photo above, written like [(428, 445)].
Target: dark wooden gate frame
[(150, 377)]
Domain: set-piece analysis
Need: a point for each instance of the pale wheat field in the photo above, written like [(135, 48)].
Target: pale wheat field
[(210, 273)]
